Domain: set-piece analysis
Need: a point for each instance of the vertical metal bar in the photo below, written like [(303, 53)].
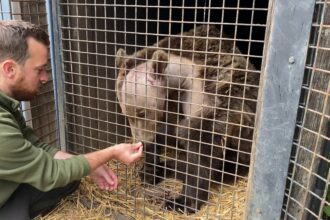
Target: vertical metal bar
[(284, 64), (26, 109), (56, 60), (16, 11), (5, 6)]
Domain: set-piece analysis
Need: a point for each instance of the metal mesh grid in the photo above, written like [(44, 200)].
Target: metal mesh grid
[(91, 34), (40, 112), (307, 194)]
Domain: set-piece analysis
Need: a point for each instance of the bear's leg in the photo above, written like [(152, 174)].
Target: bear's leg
[(196, 182), (201, 143)]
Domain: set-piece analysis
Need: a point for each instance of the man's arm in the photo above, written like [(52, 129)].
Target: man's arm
[(103, 176), (127, 153), (29, 161), (61, 155), (95, 159)]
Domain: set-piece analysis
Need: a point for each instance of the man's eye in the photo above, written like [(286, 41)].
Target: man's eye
[(41, 69)]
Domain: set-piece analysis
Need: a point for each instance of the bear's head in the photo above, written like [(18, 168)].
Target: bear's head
[(141, 91)]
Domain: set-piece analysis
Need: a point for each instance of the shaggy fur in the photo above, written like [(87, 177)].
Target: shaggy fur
[(197, 93)]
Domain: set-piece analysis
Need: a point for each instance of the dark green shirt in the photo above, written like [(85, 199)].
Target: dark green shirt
[(25, 159)]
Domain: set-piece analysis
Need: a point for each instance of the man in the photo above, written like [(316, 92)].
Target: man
[(33, 175)]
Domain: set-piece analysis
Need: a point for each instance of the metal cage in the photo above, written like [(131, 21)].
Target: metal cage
[(92, 33)]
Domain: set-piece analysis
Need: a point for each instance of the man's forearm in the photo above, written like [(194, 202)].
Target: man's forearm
[(95, 159), (61, 155), (126, 153), (100, 157)]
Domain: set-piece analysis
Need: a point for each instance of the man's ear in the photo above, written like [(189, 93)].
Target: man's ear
[(9, 68), (159, 61)]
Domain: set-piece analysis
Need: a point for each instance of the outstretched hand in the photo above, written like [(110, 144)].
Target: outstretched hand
[(128, 153), (105, 178)]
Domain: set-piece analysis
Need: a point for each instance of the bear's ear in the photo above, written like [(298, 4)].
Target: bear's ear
[(120, 58), (159, 61)]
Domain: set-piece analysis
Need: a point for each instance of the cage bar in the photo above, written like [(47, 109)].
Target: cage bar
[(281, 86), (307, 192), (56, 62)]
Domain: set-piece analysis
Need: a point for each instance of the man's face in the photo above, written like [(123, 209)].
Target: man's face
[(32, 75)]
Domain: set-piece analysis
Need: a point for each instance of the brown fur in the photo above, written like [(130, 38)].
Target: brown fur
[(225, 127)]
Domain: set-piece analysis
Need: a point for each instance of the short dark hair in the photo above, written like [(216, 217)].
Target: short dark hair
[(13, 39)]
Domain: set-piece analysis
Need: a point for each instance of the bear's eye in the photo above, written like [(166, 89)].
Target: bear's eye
[(141, 114)]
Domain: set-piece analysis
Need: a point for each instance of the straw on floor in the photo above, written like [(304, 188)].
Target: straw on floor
[(135, 200)]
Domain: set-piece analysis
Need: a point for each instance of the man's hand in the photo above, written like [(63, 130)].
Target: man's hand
[(105, 178), (128, 153)]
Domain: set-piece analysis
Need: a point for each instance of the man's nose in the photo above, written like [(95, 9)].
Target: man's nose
[(44, 77)]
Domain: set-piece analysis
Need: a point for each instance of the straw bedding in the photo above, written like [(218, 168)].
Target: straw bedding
[(134, 200)]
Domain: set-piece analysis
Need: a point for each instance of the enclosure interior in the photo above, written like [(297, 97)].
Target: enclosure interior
[(91, 35)]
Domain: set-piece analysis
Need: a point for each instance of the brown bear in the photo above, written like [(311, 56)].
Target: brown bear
[(197, 93)]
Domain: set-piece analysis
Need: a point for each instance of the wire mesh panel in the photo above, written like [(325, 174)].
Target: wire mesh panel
[(40, 113), (88, 59), (181, 76), (307, 195)]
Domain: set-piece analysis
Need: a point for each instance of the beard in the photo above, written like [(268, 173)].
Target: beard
[(23, 94)]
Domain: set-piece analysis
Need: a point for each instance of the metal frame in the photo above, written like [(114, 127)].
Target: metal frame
[(55, 50), (305, 196), (284, 65), (5, 6)]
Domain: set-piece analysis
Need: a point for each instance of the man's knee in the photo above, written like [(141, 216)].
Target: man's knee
[(19, 200)]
